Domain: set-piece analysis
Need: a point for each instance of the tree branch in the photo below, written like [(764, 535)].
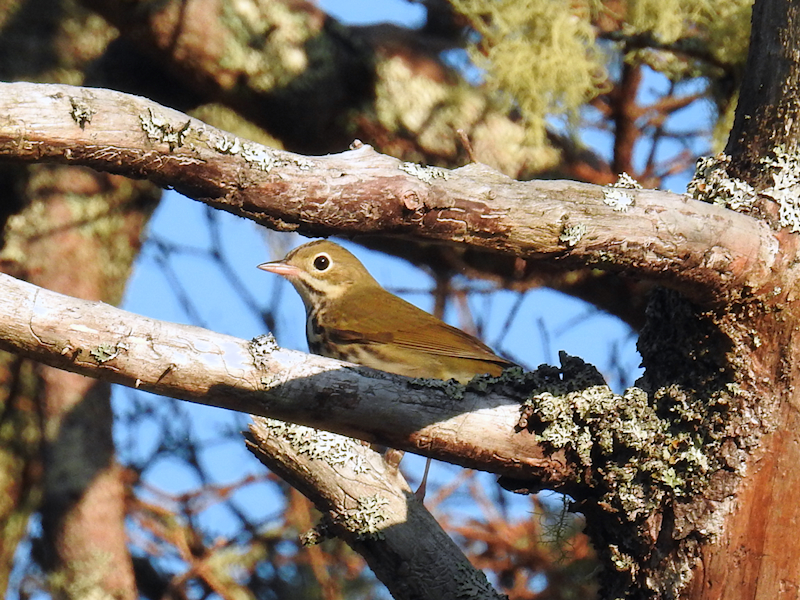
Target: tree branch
[(471, 428), (370, 505), (705, 251)]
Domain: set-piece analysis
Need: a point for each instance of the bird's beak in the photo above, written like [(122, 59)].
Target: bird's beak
[(280, 268)]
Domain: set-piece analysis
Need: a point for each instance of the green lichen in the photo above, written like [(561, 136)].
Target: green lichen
[(615, 196), (322, 531), (621, 560), (256, 155), (785, 188), (407, 101), (81, 112), (648, 454), (334, 449), (106, 352), (426, 174), (711, 183), (627, 182), (261, 349), (624, 438), (572, 234), (645, 449), (540, 56), (617, 199), (639, 462), (366, 520), (159, 129), (644, 457)]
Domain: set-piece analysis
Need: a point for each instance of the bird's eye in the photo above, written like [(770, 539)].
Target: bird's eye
[(322, 262)]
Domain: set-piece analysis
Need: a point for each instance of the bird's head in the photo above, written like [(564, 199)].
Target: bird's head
[(321, 270)]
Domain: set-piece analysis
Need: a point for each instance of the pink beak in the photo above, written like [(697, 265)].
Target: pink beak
[(280, 268)]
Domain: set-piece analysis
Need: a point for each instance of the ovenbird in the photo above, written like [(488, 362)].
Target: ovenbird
[(349, 316)]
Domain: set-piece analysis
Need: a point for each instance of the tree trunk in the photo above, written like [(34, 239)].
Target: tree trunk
[(79, 233)]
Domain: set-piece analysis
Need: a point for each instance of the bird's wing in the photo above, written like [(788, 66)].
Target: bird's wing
[(416, 330)]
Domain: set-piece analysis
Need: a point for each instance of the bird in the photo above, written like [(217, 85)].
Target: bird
[(350, 317)]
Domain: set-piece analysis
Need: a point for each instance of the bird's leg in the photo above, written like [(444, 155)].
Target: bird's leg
[(393, 458), (420, 493)]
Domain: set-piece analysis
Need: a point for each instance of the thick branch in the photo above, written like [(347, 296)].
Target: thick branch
[(370, 505), (705, 251), (477, 430)]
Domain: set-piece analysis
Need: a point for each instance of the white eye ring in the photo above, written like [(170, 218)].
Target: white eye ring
[(322, 262)]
